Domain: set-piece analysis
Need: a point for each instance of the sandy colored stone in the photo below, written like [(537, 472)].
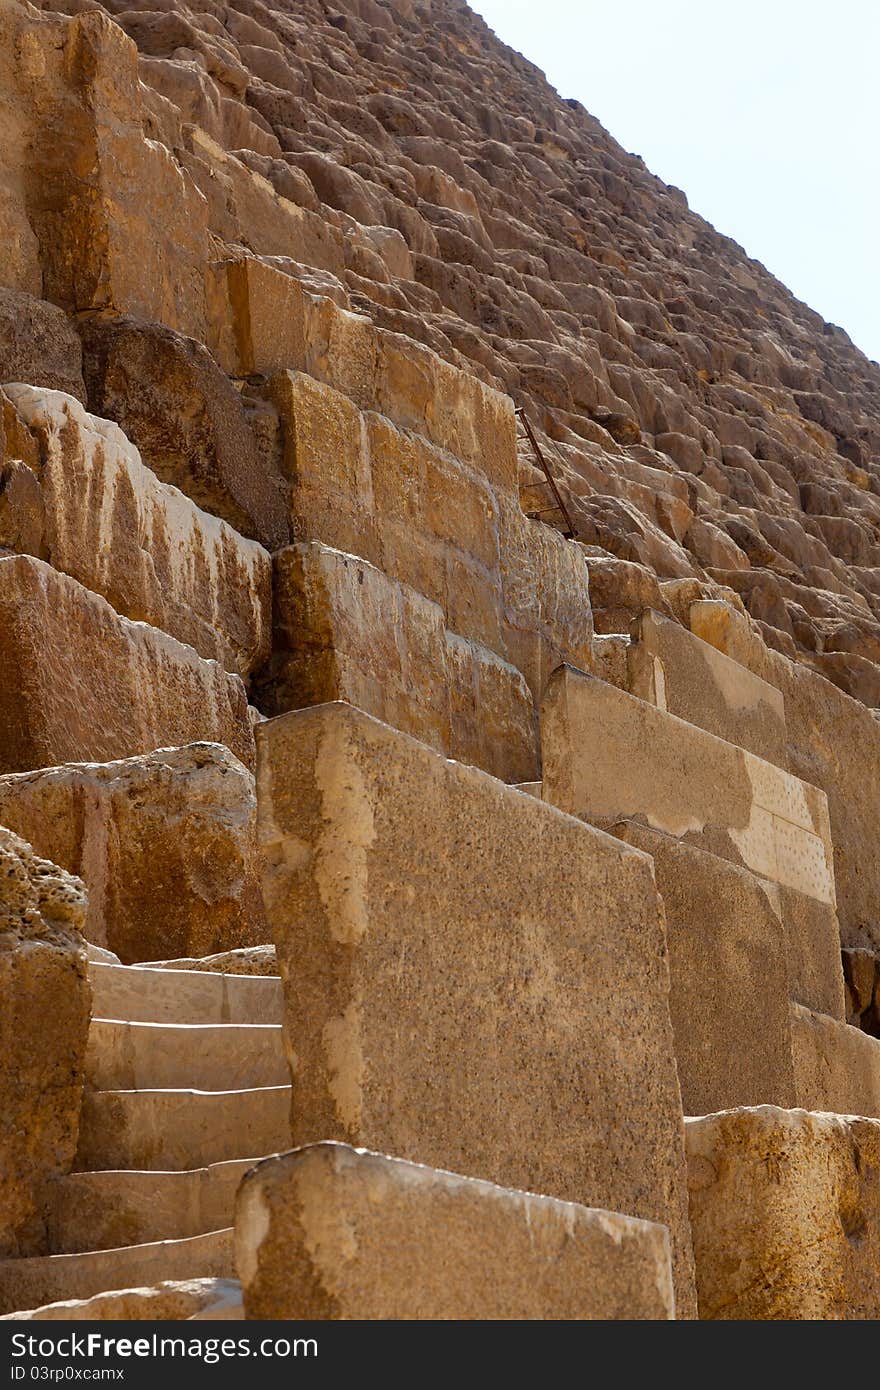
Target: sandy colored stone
[(609, 756), (148, 995), (345, 630), (88, 685), (675, 670), (192, 1300), (407, 894), (177, 407), (39, 344), (812, 949), (331, 1232), (44, 1021), (836, 1067), (243, 960), (834, 743), (111, 524), (728, 972), (165, 843), (785, 1213)]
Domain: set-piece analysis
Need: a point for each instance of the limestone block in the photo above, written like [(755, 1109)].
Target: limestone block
[(728, 978), (266, 321), (119, 223), (346, 631), (675, 670), (81, 684), (177, 407), (834, 743), (44, 1024), (785, 1214), (166, 845), (391, 1233), (408, 895), (812, 949), (608, 756), (836, 1067), (39, 344), (181, 1300), (111, 524)]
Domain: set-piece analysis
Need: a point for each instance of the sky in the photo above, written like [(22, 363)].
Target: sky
[(766, 113)]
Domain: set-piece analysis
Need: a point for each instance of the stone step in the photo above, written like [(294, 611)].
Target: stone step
[(174, 1300), (124, 1056), (180, 1129), (42, 1279), (104, 1210), (140, 995)]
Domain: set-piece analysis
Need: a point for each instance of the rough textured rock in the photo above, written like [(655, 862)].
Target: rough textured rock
[(173, 402), (189, 1300), (343, 630), (92, 686), (331, 1232), (785, 1213), (836, 1067), (39, 344), (166, 845), (107, 521), (43, 1027), (407, 896), (862, 971), (243, 960)]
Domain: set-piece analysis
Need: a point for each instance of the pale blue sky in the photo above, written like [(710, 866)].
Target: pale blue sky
[(766, 113)]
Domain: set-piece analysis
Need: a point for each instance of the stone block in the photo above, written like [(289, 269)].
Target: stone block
[(81, 684), (331, 1232), (266, 320), (812, 949), (166, 845), (169, 397), (785, 1214), (608, 756), (833, 743), (728, 978), (836, 1067), (674, 669), (344, 630), (109, 522), (431, 927), (39, 344), (44, 1025)]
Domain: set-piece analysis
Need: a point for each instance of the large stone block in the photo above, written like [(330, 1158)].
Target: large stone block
[(109, 522), (166, 845), (81, 684), (834, 743), (44, 1022), (331, 1232), (677, 671), (812, 949), (39, 344), (97, 215), (729, 983), (836, 1067), (785, 1214), (608, 756), (266, 320), (432, 926), (173, 402), (346, 631)]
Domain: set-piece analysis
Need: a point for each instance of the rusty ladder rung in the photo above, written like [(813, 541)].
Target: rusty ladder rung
[(560, 506)]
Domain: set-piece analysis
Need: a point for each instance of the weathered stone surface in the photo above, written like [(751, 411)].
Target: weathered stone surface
[(104, 216), (785, 1213), (861, 969), (678, 672), (91, 686), (190, 1300), (165, 842), (834, 743), (729, 984), (346, 631), (608, 756), (836, 1067), (39, 344), (242, 960), (407, 894), (330, 1232), (173, 402), (44, 1021), (812, 949), (108, 522)]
